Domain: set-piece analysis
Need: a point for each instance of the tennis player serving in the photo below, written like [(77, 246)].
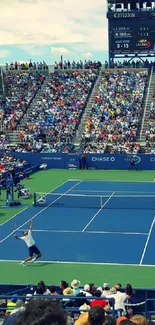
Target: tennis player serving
[(33, 249)]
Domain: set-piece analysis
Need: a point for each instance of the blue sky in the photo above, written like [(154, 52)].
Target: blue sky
[(46, 29)]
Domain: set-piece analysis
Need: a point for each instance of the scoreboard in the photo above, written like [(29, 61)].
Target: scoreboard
[(132, 36)]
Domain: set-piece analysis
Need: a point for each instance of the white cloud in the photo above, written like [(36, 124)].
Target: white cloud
[(60, 51), (31, 49), (87, 55), (4, 53), (53, 23)]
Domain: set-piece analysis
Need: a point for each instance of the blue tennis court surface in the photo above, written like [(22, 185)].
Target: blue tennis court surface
[(88, 222)]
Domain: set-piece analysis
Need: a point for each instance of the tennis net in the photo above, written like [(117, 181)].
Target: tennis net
[(113, 201)]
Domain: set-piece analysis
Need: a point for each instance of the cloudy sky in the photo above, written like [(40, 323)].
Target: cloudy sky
[(46, 29)]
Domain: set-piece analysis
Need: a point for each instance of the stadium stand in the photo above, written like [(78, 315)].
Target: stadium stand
[(150, 133), (77, 302), (108, 130), (58, 111), (116, 112), (21, 89)]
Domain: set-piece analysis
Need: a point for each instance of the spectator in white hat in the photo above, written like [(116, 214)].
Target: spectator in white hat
[(75, 284), (106, 290), (86, 290)]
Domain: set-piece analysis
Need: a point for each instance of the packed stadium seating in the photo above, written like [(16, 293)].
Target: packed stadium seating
[(150, 133), (58, 110), (117, 110), (21, 89)]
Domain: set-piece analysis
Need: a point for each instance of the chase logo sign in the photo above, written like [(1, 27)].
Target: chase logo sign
[(103, 159), (136, 159)]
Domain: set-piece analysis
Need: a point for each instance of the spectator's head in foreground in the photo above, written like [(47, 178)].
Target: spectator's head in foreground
[(41, 312), (139, 320), (63, 285), (96, 316)]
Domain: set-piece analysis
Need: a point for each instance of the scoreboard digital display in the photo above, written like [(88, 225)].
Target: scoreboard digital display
[(127, 36)]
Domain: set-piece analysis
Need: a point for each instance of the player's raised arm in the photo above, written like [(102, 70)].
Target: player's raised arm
[(16, 237)]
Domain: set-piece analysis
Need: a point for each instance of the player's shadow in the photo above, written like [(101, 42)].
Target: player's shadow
[(42, 264)]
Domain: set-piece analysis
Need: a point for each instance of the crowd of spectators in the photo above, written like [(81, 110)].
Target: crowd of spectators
[(78, 65), (129, 64), (150, 133), (26, 66), (117, 110), (20, 90), (57, 113), (104, 299), (112, 126), (8, 162)]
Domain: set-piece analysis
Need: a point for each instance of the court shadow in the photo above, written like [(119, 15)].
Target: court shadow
[(39, 264)]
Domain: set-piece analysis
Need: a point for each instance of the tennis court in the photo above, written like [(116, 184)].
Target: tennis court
[(106, 222)]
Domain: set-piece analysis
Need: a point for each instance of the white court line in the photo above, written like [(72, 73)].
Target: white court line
[(110, 181), (140, 193), (79, 263), (2, 224), (97, 212), (89, 232), (147, 241), (1, 241)]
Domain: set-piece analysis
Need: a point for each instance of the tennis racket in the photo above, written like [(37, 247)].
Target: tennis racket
[(15, 226)]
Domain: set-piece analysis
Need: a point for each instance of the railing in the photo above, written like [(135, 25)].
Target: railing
[(151, 74), (65, 300)]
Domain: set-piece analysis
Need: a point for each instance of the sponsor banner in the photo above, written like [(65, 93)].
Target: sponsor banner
[(93, 161), (72, 165)]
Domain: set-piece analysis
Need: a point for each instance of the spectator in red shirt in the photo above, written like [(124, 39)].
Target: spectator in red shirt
[(97, 302)]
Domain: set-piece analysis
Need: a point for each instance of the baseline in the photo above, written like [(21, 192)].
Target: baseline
[(78, 263), (88, 232)]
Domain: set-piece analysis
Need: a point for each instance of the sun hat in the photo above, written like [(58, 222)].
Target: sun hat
[(75, 284), (84, 307), (113, 290), (68, 292), (86, 287)]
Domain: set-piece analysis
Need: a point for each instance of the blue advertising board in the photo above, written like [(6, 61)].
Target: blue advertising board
[(94, 161)]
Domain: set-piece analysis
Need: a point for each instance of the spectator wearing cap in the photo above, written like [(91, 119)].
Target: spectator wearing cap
[(119, 297), (97, 302), (15, 313), (28, 298), (19, 307), (106, 290), (75, 284), (67, 292), (11, 305), (86, 290)]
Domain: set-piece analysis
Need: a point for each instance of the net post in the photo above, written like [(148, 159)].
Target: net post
[(34, 198)]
